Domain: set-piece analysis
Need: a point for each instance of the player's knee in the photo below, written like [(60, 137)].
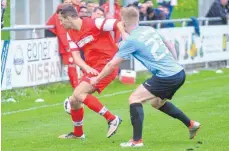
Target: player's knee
[(157, 102), (74, 103), (79, 98), (77, 95), (133, 99), (137, 98)]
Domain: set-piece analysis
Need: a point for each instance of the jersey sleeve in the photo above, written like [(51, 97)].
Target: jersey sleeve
[(106, 24), (72, 44), (61, 33), (126, 49)]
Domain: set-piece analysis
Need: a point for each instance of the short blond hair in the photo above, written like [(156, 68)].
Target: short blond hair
[(130, 16)]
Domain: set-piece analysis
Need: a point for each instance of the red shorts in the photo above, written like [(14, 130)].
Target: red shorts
[(67, 59), (104, 82)]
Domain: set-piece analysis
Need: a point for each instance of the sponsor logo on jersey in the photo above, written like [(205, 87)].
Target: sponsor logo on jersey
[(85, 41)]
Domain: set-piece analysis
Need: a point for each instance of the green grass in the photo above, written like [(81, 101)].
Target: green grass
[(184, 9), (6, 35), (204, 97)]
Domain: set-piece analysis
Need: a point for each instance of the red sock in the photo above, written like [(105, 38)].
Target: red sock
[(94, 104), (77, 118), (73, 76)]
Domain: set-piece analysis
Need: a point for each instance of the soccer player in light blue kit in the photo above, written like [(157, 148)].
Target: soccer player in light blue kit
[(159, 57)]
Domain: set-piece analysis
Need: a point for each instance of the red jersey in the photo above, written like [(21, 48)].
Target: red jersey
[(59, 31), (95, 41)]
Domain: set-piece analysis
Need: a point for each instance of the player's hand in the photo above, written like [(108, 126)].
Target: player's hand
[(94, 80), (90, 70), (124, 35)]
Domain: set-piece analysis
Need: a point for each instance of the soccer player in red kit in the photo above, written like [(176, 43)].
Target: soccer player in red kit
[(93, 37), (64, 48)]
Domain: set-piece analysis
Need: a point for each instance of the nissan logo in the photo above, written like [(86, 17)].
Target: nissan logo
[(18, 60)]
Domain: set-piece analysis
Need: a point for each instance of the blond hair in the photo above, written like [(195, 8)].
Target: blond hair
[(130, 16)]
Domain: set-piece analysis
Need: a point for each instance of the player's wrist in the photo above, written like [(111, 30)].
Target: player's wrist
[(87, 67), (98, 78)]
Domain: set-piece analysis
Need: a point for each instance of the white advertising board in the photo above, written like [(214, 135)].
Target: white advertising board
[(32, 62)]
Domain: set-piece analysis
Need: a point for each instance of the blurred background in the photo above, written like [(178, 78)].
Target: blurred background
[(33, 12)]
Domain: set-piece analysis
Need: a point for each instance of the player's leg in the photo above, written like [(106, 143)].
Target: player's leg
[(83, 94), (139, 96), (73, 75), (113, 120), (77, 110), (173, 111), (170, 109), (165, 88), (72, 71)]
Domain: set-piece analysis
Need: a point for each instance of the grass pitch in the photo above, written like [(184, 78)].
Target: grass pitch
[(30, 126)]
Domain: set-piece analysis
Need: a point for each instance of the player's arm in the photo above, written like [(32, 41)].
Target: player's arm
[(76, 53), (82, 64), (110, 25), (61, 33), (171, 47), (124, 53), (109, 68), (77, 58)]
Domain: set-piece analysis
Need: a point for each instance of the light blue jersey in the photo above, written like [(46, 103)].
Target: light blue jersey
[(146, 45)]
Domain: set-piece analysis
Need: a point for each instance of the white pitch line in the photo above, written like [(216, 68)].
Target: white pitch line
[(103, 96), (30, 109), (56, 104)]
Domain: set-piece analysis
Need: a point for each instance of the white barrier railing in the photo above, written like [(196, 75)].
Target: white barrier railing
[(158, 22), (26, 27), (183, 21)]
